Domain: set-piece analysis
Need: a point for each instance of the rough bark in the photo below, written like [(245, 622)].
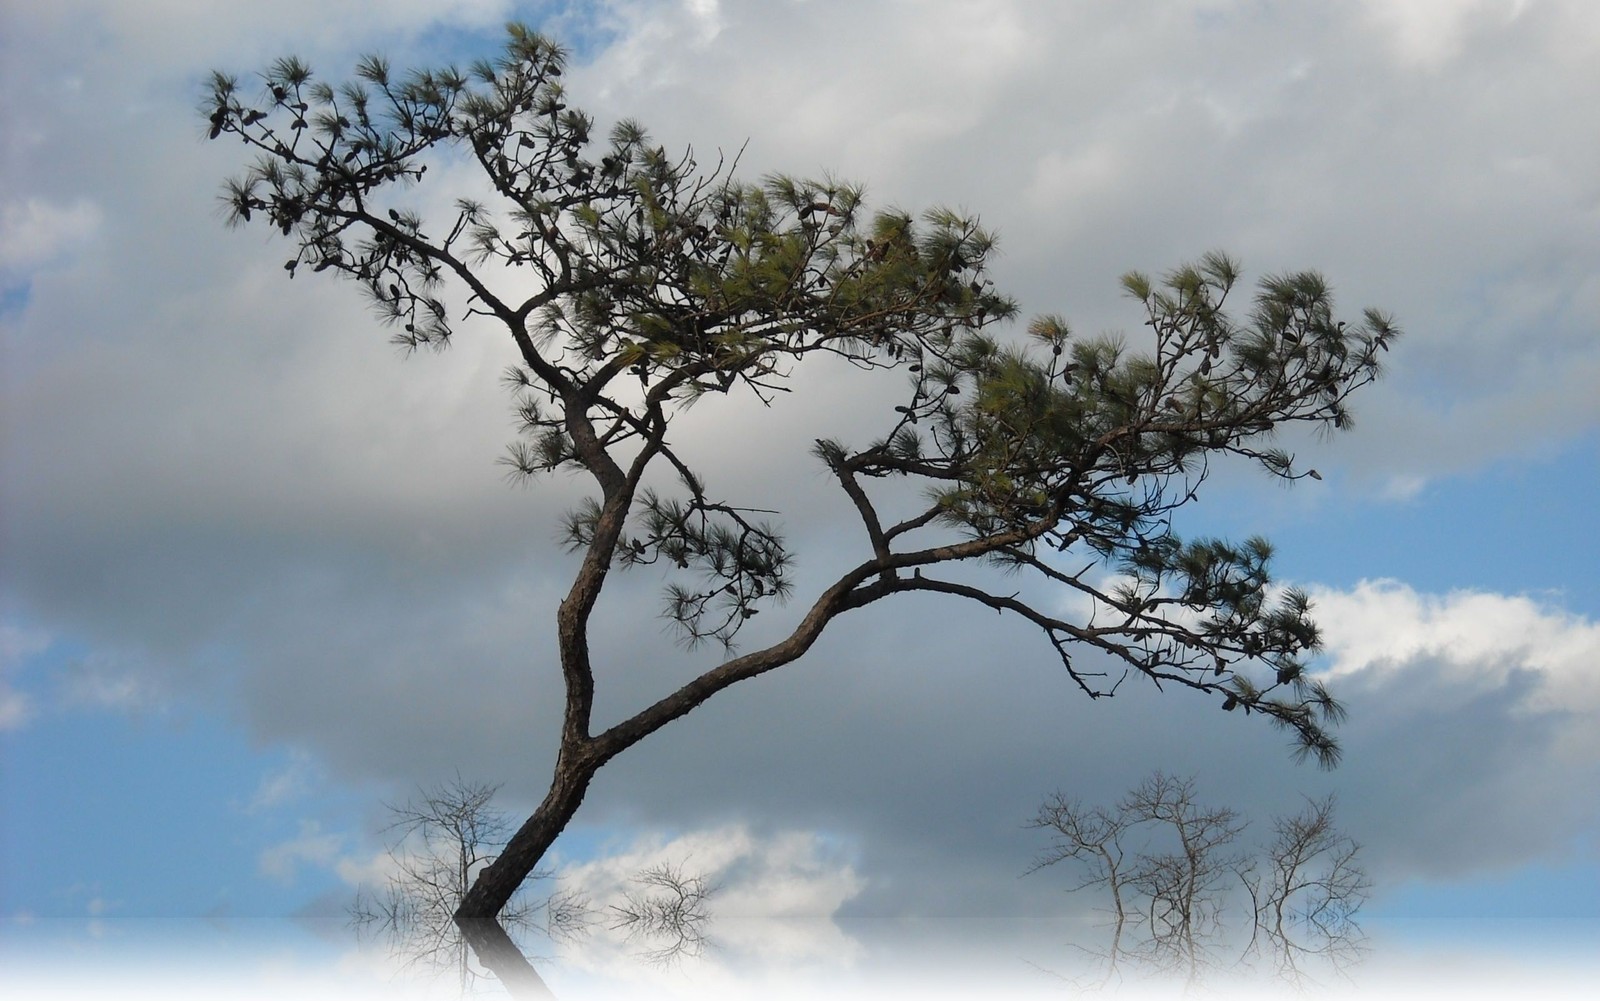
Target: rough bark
[(501, 957), (501, 878)]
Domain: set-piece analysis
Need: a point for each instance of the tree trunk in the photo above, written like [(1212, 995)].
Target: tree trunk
[(501, 957), (501, 878)]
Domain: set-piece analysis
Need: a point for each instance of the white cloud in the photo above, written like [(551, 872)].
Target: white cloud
[(372, 870), (311, 846), (16, 708), (35, 232), (792, 874), (775, 894), (1485, 639), (285, 784), (1062, 177), (707, 14), (772, 908), (1475, 717), (16, 646), (1402, 488), (106, 681), (1429, 33), (98, 909)]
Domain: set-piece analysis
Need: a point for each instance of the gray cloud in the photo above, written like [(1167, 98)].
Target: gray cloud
[(1418, 158), (931, 737), (225, 481)]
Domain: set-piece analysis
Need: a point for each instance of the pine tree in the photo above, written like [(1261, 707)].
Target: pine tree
[(633, 283)]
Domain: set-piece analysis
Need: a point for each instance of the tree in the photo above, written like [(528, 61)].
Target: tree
[(444, 836), (1313, 887), (631, 284), (669, 907), (1176, 872), (1183, 886), (1092, 837)]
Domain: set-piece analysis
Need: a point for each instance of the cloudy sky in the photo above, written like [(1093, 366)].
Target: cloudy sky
[(260, 572)]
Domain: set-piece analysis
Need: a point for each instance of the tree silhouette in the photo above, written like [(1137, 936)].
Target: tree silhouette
[(1312, 888), (632, 284), (445, 834), (1188, 895)]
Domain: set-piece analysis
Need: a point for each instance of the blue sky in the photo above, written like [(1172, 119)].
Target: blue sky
[(259, 574)]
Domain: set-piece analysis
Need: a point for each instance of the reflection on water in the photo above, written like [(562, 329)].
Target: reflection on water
[(502, 960), (869, 958), (1185, 899), (659, 919)]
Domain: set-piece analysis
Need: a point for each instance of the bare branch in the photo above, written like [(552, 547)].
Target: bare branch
[(1175, 872)]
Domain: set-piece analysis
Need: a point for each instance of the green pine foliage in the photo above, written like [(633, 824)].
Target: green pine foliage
[(634, 283)]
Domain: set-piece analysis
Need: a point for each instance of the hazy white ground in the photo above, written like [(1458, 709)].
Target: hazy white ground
[(876, 958)]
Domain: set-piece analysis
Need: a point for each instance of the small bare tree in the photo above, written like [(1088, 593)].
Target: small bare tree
[(442, 837), (670, 908), (1092, 836), (1314, 886), (1180, 880), (1184, 887)]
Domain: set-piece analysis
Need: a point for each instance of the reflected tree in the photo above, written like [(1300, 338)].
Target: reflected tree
[(1092, 836), (1187, 895), (445, 834), (667, 910), (441, 837), (1313, 886), (1184, 888)]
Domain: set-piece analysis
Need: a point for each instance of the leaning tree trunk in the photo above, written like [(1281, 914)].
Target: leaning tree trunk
[(501, 957), (581, 755), (501, 878)]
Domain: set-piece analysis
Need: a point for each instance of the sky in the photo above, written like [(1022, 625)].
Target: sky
[(260, 572)]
